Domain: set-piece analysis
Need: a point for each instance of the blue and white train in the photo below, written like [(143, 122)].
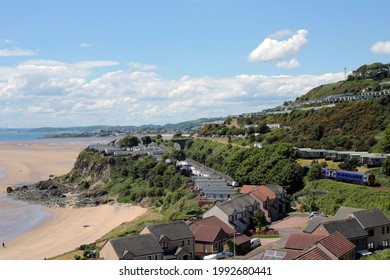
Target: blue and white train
[(349, 176)]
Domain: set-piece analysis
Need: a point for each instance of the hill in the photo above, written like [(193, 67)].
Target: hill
[(374, 77)]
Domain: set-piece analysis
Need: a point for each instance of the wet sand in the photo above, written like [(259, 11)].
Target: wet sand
[(58, 230)]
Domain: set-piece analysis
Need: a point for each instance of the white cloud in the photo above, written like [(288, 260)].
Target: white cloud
[(381, 48), (292, 63), (53, 93), (271, 49), (84, 45), (16, 52), (95, 63), (142, 66), (9, 41), (279, 35)]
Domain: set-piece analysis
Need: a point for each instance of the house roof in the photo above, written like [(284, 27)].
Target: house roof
[(349, 228), (260, 192), (276, 188), (313, 223), (279, 254), (173, 230), (214, 221), (337, 244), (344, 212), (241, 239), (314, 253), (301, 241), (206, 233), (371, 218), (238, 204), (137, 245)]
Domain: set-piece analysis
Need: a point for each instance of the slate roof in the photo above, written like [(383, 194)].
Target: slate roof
[(276, 188), (344, 212), (313, 223), (238, 204), (138, 245), (173, 231), (349, 228), (371, 218), (301, 241), (337, 244)]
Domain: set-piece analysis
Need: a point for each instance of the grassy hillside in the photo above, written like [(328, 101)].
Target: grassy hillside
[(328, 196)]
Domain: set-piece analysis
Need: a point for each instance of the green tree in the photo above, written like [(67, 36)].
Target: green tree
[(349, 164), (128, 141), (386, 139), (178, 155), (386, 166), (315, 172), (146, 140)]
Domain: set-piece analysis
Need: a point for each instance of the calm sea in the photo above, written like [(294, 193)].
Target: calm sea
[(19, 135)]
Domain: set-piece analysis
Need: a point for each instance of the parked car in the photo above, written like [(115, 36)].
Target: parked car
[(314, 214), (224, 255), (211, 257), (255, 242)]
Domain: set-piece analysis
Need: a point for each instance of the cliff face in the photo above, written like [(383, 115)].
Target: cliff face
[(90, 171), (82, 186)]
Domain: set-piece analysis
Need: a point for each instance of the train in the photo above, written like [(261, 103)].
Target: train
[(349, 176), (353, 177)]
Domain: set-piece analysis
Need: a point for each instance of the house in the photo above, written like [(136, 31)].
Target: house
[(211, 235), (313, 223), (139, 247), (349, 228), (175, 238), (267, 199), (236, 212), (377, 226), (279, 254), (332, 247), (301, 241), (281, 195)]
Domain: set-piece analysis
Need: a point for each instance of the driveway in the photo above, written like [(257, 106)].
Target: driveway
[(295, 222)]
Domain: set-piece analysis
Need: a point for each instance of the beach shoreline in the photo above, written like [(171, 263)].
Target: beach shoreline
[(60, 229)]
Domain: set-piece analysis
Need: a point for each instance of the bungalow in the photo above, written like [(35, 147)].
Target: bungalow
[(139, 247), (175, 238), (236, 212)]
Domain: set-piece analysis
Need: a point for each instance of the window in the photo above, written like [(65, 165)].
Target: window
[(189, 242), (383, 230), (388, 229), (371, 232), (370, 245), (164, 245), (182, 243), (385, 243)]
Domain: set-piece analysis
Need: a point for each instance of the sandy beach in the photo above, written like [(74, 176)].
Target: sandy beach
[(30, 161), (66, 229), (61, 229)]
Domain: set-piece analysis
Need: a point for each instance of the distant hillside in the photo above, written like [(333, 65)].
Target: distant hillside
[(186, 126), (348, 125), (373, 76)]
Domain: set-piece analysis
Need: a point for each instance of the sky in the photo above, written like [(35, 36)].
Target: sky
[(135, 62)]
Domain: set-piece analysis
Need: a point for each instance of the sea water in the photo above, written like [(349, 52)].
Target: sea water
[(17, 217)]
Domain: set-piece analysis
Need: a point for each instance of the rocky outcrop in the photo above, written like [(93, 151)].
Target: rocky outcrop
[(79, 188)]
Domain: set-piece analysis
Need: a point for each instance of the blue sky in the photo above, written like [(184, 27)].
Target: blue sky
[(66, 63)]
